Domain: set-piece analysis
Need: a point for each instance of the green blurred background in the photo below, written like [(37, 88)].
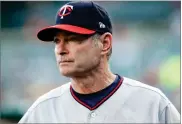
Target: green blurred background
[(146, 47)]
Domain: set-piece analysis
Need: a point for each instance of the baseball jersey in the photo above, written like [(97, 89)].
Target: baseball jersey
[(130, 102)]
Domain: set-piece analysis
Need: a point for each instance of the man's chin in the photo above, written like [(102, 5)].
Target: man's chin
[(72, 74), (67, 73)]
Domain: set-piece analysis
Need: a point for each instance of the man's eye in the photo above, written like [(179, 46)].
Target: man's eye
[(56, 40), (76, 39)]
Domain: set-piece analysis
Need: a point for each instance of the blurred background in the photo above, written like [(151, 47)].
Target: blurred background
[(146, 47)]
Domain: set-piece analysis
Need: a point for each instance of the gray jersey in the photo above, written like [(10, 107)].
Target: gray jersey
[(133, 102)]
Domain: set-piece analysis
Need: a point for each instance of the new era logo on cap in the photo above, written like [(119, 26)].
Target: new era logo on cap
[(101, 25), (82, 17)]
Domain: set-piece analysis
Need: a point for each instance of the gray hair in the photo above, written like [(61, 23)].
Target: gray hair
[(96, 39)]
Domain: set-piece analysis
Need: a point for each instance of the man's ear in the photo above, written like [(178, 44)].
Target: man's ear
[(106, 39)]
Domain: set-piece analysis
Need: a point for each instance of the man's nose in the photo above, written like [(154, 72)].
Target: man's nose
[(61, 48)]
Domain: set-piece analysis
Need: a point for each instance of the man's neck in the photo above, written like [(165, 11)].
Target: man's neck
[(94, 81)]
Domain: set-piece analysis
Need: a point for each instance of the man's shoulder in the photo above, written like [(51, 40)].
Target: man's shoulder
[(144, 88), (51, 95), (56, 92)]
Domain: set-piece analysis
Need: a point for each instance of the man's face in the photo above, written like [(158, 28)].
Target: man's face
[(76, 54)]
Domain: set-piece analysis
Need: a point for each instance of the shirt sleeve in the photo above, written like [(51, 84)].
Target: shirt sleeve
[(169, 115), (28, 117)]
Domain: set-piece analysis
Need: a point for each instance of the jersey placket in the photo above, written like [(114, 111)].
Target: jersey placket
[(92, 117)]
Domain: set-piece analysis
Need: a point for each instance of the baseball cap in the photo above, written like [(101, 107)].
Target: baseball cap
[(81, 17)]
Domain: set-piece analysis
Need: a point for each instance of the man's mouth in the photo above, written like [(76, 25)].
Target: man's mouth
[(65, 61)]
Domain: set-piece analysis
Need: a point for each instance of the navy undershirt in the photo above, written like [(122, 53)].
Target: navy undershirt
[(92, 99)]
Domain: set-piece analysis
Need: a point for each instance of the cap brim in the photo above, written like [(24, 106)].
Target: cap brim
[(47, 34)]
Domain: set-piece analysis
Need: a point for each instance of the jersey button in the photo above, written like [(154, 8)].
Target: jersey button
[(93, 115)]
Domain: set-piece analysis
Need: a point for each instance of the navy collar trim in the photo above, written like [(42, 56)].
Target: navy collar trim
[(101, 101)]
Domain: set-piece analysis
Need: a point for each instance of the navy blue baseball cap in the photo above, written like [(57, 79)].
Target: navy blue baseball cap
[(81, 17)]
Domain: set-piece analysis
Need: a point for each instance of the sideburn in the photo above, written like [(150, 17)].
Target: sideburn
[(96, 40)]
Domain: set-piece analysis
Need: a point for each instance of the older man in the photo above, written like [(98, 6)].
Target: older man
[(83, 45)]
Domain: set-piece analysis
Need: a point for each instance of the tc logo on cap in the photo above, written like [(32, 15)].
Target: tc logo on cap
[(65, 10)]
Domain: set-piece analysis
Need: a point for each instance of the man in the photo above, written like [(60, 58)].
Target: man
[(83, 45)]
